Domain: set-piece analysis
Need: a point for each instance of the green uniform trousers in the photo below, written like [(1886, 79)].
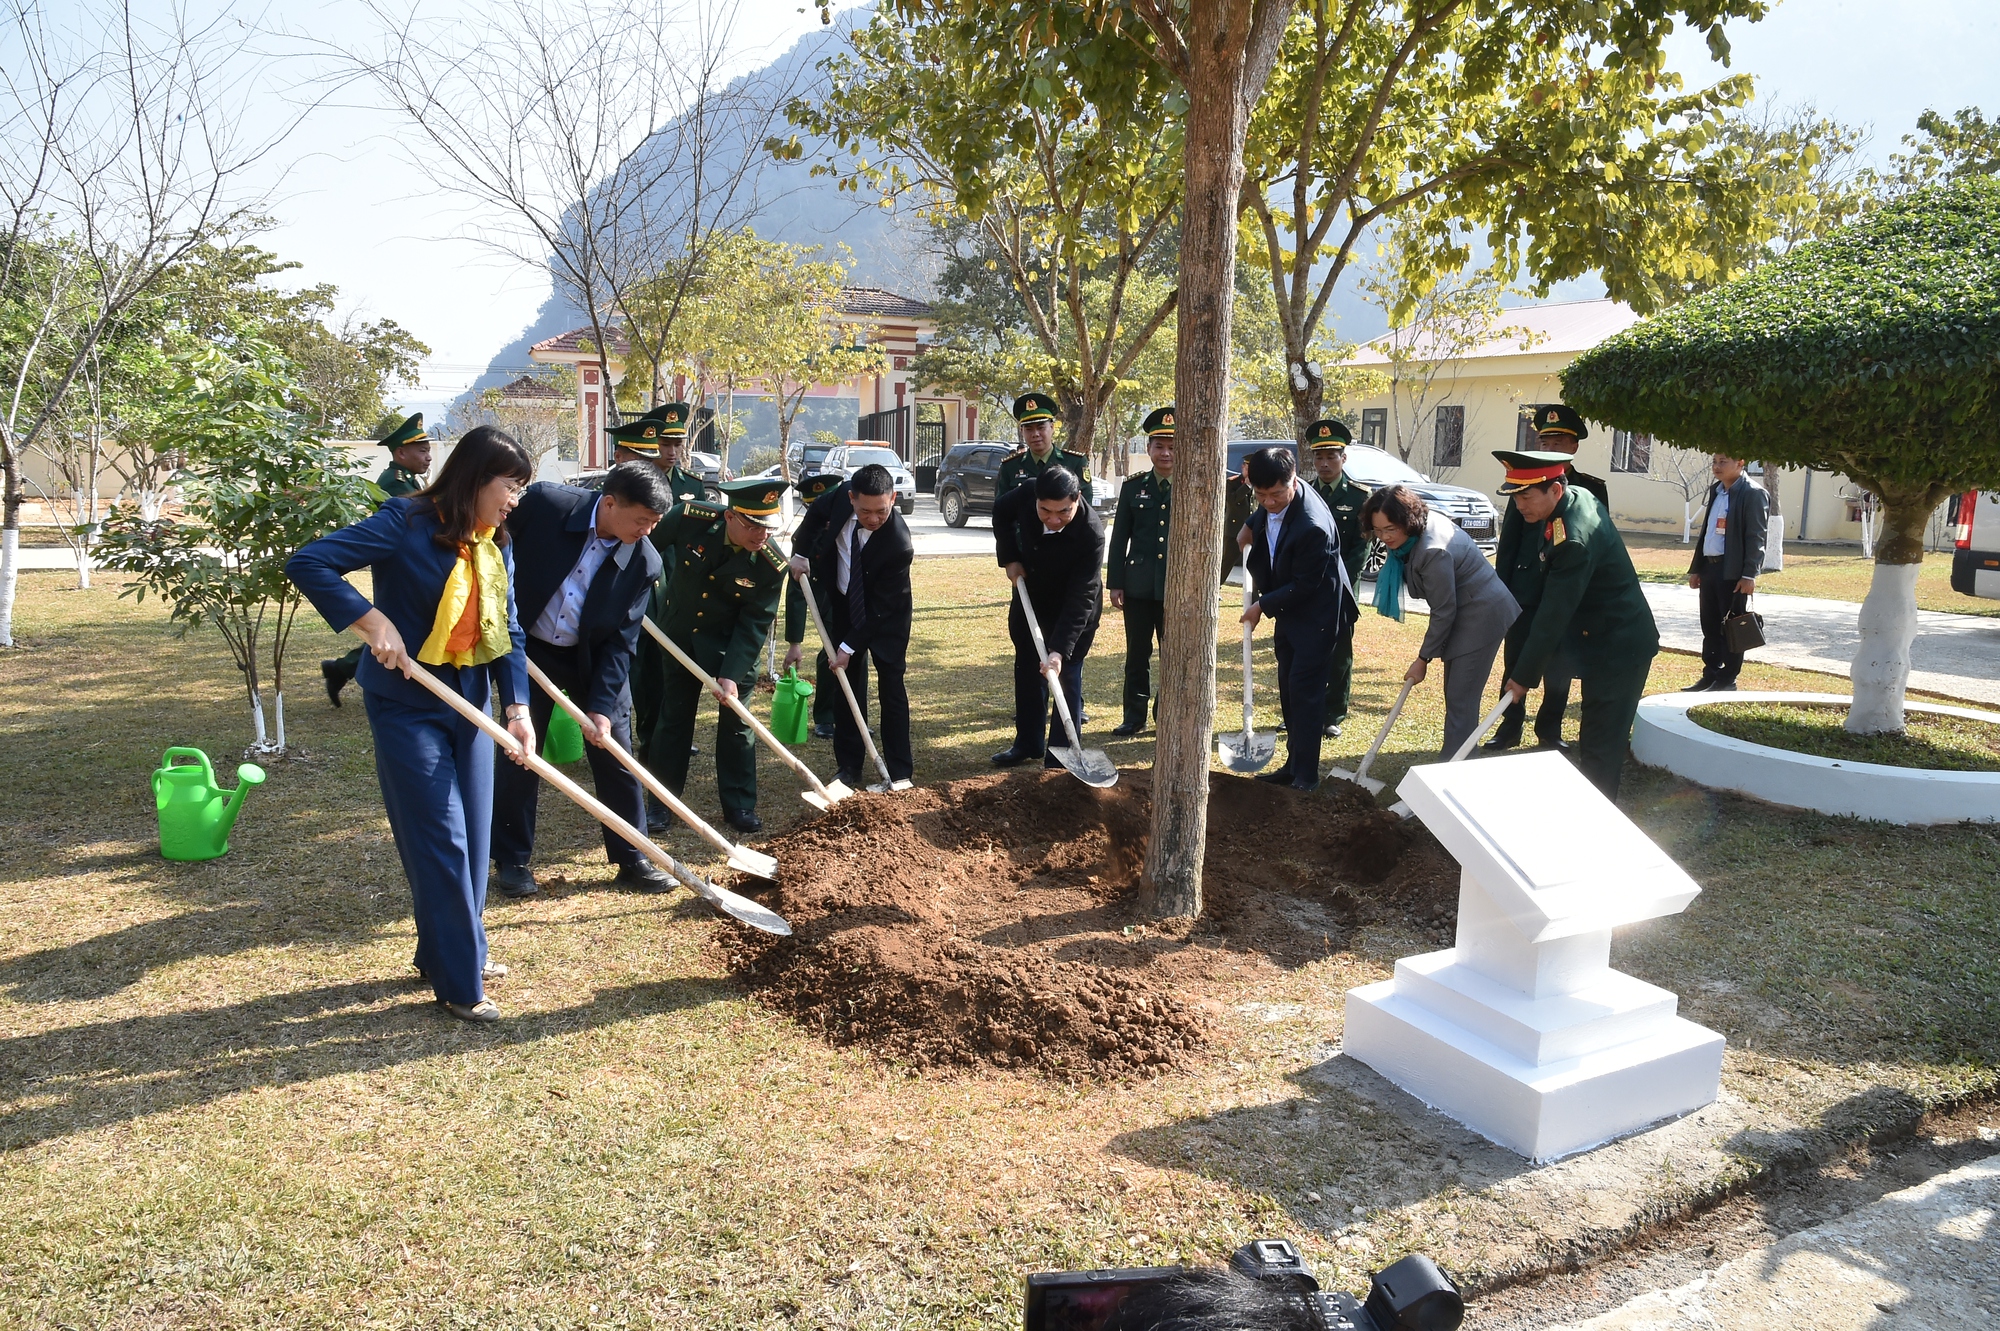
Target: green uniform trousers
[(673, 734), (1610, 702), (1556, 677), (1145, 620)]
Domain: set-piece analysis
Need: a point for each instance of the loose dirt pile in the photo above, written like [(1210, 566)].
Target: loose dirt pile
[(1001, 919)]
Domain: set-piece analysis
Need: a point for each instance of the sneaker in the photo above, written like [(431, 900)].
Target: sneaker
[(515, 880)]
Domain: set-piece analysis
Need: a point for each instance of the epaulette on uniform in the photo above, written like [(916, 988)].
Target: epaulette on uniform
[(1017, 453), (704, 508), (1557, 532), (771, 556)]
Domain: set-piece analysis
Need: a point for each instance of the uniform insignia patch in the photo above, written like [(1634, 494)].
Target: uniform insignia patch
[(746, 582), (1557, 533)]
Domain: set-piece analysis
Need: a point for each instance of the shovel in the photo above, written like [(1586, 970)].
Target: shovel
[(1402, 810), (742, 908), (1360, 775), (1249, 752), (1090, 766), (853, 703), (820, 796), (741, 858)]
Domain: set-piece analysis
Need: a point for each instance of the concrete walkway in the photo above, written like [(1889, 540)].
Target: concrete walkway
[(1926, 1257)]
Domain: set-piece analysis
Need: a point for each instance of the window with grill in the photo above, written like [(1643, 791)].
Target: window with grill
[(1631, 452), (1448, 438), (1375, 427)]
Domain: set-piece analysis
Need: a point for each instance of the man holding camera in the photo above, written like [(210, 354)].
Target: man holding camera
[(583, 573)]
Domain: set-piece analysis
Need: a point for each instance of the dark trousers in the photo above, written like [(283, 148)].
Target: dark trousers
[(1719, 600), (436, 771), (517, 791), (1610, 702), (673, 734), (892, 705), (827, 702), (1340, 679), (1034, 711), (1145, 624), (1305, 655), (1556, 679)]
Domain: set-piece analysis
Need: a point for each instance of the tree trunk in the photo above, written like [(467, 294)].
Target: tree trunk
[(1888, 619), (1220, 91), (10, 537)]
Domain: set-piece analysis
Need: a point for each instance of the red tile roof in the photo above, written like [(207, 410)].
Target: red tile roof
[(583, 340), (877, 301), (528, 386)]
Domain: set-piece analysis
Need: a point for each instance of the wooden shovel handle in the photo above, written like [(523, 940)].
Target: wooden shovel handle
[(840, 673)]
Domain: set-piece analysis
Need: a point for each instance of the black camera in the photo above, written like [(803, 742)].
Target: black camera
[(1266, 1286)]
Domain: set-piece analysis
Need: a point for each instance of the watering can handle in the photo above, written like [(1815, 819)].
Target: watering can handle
[(167, 758)]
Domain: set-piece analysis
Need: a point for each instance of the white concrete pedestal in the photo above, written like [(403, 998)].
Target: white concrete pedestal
[(1523, 1032)]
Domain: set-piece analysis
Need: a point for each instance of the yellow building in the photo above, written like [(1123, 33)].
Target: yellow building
[(1445, 414)]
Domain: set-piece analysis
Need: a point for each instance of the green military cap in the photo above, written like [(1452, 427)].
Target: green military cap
[(640, 436), (1559, 419), (1328, 434), (411, 431), (755, 498), (1530, 468), (1032, 407), (672, 418), (813, 486), (1160, 422)]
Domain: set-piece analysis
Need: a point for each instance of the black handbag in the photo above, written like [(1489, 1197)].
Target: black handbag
[(1743, 630)]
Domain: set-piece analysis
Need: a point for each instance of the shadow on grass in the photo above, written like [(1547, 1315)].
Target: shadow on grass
[(84, 1077)]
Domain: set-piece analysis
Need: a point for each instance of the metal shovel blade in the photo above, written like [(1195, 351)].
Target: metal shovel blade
[(1246, 751), (753, 862), (1090, 766), (1373, 786), (884, 787), (746, 910)]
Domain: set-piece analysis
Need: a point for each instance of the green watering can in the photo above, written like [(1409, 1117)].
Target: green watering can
[(791, 708), (564, 741), (195, 813)]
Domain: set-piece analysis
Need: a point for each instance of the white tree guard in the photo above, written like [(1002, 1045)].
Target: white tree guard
[(1881, 665)]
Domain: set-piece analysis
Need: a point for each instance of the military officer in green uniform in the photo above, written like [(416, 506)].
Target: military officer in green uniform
[(1326, 443), (718, 609), (1588, 589), (1035, 414), (1136, 571), (825, 690), (409, 462), (1559, 429)]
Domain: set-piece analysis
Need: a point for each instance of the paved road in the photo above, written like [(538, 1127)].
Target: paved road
[(1923, 1257)]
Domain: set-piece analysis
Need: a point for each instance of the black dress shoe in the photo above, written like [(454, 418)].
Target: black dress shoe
[(1559, 745), (1702, 685), (1281, 777), (1723, 686), (822, 732), (515, 880), (658, 821), (1501, 742), (1332, 731), (1011, 757), (693, 749), (743, 820), (852, 780), (335, 674), (1128, 728), (644, 876), (1302, 784), (1279, 729)]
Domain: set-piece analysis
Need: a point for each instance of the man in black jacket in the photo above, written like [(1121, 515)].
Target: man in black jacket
[(1296, 569), (1051, 543), (583, 572), (857, 550), (1735, 525)]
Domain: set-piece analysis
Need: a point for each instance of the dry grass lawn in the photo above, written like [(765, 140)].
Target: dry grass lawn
[(223, 1103)]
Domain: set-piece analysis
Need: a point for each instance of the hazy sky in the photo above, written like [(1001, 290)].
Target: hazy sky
[(357, 212)]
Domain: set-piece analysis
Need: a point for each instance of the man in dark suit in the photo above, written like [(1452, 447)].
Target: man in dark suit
[(1295, 564), (1052, 543), (584, 572), (1735, 524), (857, 550)]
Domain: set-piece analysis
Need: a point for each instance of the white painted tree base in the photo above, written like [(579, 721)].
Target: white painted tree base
[(1523, 1032), (1881, 667)]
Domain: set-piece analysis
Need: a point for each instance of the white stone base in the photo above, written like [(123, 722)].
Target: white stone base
[(1543, 1111)]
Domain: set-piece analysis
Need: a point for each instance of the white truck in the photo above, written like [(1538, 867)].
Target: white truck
[(1975, 564)]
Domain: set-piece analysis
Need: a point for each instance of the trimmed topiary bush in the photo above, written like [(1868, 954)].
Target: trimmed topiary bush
[(1875, 352)]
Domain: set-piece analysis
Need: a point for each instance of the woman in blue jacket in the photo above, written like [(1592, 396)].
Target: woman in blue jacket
[(443, 579)]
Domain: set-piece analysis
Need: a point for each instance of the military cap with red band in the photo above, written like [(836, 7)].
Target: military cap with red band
[(1526, 469)]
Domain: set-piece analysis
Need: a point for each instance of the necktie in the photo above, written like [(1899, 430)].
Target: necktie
[(857, 603)]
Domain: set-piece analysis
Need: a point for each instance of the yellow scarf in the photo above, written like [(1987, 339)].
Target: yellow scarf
[(471, 624)]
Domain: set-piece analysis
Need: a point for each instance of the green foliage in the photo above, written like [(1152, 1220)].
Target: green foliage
[(1941, 150), (1875, 352), (255, 487)]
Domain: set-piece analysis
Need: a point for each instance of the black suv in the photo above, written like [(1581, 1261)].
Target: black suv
[(966, 479)]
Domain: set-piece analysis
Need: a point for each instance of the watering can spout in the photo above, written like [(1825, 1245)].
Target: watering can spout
[(247, 775)]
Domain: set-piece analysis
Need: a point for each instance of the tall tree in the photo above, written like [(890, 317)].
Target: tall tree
[(1552, 127), (1040, 130)]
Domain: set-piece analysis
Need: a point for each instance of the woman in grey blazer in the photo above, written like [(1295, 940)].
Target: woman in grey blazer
[(1470, 607)]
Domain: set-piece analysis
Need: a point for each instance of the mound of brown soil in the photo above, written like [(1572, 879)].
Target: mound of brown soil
[(1001, 919)]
